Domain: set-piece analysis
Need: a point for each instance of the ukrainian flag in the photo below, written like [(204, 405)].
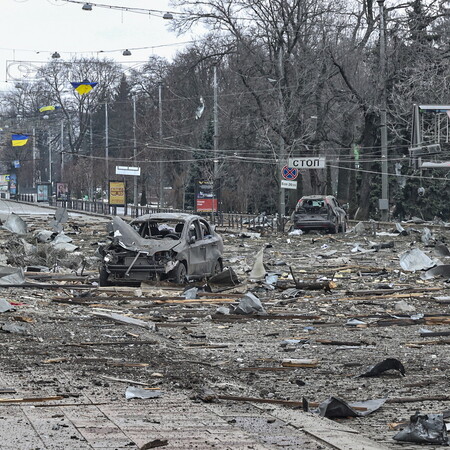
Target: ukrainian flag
[(48, 108), (18, 140), (84, 87)]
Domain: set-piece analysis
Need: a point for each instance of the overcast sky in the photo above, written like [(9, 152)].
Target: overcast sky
[(32, 30)]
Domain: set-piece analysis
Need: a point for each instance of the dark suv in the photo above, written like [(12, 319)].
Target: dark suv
[(319, 212)]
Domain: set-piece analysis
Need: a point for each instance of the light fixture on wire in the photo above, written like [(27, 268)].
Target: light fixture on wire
[(87, 7), (168, 16), (126, 53), (56, 55)]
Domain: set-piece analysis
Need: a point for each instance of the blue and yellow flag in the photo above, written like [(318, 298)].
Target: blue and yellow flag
[(84, 87), (18, 140), (49, 108)]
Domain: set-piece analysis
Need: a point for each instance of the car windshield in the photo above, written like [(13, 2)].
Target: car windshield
[(316, 203), (159, 228)]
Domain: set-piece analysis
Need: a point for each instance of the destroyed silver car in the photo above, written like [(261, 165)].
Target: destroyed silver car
[(169, 246), (319, 212)]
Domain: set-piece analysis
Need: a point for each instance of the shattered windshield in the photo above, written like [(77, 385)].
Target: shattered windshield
[(159, 229)]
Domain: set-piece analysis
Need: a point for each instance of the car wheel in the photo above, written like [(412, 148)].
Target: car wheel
[(179, 274), (103, 277)]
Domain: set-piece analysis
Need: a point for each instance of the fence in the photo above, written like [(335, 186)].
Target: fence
[(224, 220)]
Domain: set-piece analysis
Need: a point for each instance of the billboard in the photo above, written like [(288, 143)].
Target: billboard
[(43, 192), (206, 201), (117, 193), (13, 184), (62, 191), (4, 182)]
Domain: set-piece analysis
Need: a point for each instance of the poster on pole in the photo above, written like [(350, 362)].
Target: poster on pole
[(62, 191), (206, 200), (13, 184), (4, 182), (43, 192), (117, 193)]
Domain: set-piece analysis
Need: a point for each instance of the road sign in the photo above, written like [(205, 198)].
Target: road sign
[(286, 184), (312, 162), (289, 173), (124, 170)]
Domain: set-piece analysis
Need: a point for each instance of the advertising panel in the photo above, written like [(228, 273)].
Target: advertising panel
[(13, 184), (117, 193), (4, 182), (62, 191), (43, 192), (206, 201)]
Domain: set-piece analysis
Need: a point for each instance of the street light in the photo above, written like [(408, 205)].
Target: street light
[(87, 7), (126, 53), (168, 16), (56, 55)]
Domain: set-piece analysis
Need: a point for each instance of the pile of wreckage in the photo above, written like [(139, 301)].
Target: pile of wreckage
[(335, 303)]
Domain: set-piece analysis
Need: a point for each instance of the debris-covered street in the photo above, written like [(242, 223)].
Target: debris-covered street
[(294, 320)]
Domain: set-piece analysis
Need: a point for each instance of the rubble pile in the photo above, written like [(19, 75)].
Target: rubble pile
[(353, 327)]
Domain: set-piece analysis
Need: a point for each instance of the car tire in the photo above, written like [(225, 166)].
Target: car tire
[(103, 277), (179, 274)]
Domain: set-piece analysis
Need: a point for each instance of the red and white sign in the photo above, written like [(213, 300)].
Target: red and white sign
[(289, 173), (207, 204)]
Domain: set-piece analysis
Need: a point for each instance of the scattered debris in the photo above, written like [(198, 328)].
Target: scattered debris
[(258, 271), (415, 259), (5, 306), (126, 320), (11, 276), (249, 304), (227, 277), (383, 366), (334, 408), (424, 429), (142, 393), (61, 218), (155, 443), (438, 271), (15, 224)]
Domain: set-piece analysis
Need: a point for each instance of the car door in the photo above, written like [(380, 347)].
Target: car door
[(197, 250), (211, 243)]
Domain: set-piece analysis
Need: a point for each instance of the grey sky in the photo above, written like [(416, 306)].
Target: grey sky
[(31, 30)]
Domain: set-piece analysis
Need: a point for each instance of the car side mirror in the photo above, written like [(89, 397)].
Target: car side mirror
[(345, 207), (192, 240)]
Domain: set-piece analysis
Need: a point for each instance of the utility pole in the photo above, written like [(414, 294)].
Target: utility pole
[(106, 147), (50, 159), (135, 181), (282, 153), (91, 154), (62, 150), (384, 201), (161, 157), (34, 157), (215, 141)]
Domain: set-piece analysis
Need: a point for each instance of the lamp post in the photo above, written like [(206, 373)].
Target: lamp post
[(384, 201), (135, 181), (161, 161)]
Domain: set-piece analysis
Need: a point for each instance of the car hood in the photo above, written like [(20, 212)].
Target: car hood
[(128, 238)]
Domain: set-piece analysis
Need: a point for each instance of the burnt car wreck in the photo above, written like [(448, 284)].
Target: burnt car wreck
[(321, 213), (170, 246)]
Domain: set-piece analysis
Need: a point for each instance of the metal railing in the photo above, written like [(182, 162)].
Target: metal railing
[(235, 221)]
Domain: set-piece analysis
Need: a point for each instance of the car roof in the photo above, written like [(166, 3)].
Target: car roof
[(316, 197), (165, 216)]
